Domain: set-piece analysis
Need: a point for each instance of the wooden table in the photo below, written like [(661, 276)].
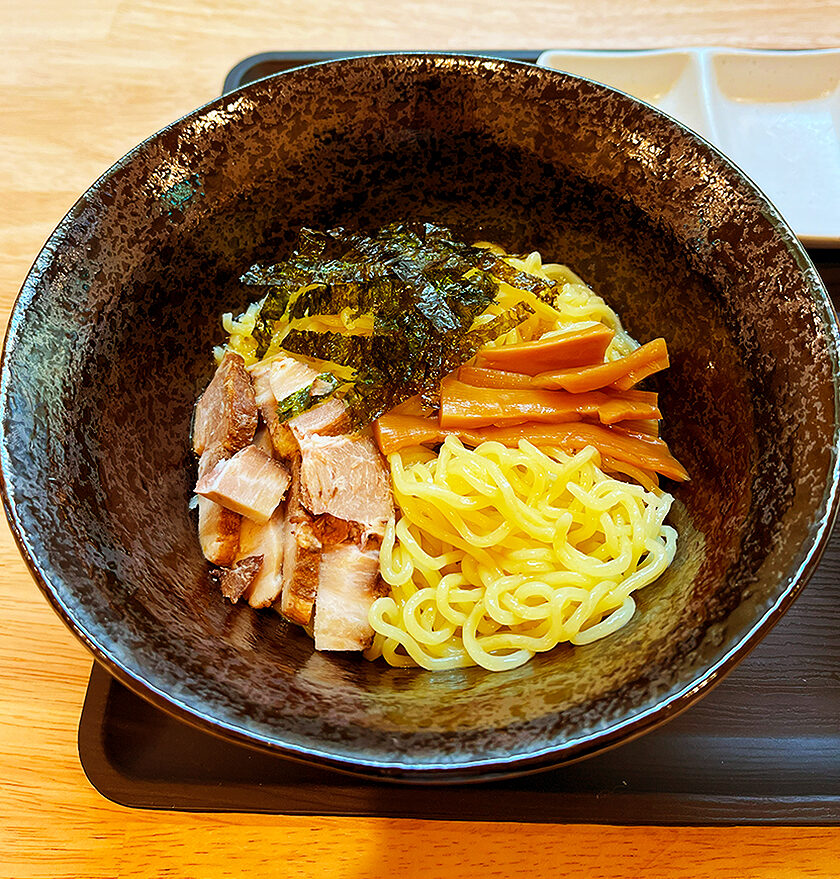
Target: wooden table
[(85, 81)]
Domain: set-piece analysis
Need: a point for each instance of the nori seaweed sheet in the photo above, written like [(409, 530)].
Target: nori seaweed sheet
[(423, 289)]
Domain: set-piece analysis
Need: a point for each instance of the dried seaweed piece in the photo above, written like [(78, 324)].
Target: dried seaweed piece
[(280, 281), (501, 324), (376, 390), (361, 288), (477, 338), (422, 288), (345, 350), (544, 290), (264, 325), (307, 397)]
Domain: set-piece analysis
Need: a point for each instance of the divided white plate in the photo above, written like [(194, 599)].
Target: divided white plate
[(775, 114)]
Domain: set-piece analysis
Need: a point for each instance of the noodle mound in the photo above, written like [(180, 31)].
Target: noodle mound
[(496, 553), (502, 553)]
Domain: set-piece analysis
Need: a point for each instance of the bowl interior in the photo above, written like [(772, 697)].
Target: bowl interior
[(111, 339)]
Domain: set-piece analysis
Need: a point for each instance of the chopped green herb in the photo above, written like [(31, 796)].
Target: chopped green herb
[(314, 393)]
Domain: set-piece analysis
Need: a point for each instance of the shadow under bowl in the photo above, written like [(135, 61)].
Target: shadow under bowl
[(109, 345)]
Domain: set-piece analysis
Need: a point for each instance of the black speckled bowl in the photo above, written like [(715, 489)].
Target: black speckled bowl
[(110, 341)]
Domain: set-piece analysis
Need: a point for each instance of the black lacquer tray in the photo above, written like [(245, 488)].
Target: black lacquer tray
[(762, 748), (267, 63)]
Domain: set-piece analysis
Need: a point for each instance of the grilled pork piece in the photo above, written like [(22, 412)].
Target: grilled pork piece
[(218, 532), (318, 552), (250, 483), (235, 581), (262, 441), (287, 376), (218, 528), (331, 566), (265, 541), (327, 419), (225, 421), (339, 502), (276, 380), (301, 566), (301, 557), (346, 477), (347, 586), (226, 413), (331, 530), (281, 437)]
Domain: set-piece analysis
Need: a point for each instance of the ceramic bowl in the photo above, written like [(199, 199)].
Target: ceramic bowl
[(110, 343)]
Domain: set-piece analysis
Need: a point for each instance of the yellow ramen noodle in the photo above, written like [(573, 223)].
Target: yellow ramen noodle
[(497, 553), (501, 553)]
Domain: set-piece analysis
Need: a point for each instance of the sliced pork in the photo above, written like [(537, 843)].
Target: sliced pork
[(265, 541), (331, 530), (225, 422), (305, 541), (281, 437), (301, 567), (250, 483), (218, 528), (236, 580), (301, 556), (262, 440), (347, 586), (346, 477), (218, 532), (326, 419), (226, 413), (287, 376), (339, 502), (281, 377)]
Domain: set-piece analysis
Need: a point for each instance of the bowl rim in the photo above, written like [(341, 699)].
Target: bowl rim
[(444, 772)]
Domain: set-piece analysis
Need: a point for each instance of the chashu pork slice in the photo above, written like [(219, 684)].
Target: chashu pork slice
[(226, 413), (261, 373), (345, 476), (302, 553), (341, 489), (265, 542), (218, 532), (218, 527), (348, 584), (287, 376), (256, 569), (225, 422), (237, 579), (262, 441), (250, 483), (326, 419), (280, 378), (301, 557)]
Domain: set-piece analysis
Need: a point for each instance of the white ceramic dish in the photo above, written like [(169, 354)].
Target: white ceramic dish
[(775, 114)]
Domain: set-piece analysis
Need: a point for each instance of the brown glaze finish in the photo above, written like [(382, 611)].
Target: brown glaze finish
[(109, 345)]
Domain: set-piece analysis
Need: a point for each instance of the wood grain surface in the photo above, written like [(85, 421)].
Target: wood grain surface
[(82, 83)]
